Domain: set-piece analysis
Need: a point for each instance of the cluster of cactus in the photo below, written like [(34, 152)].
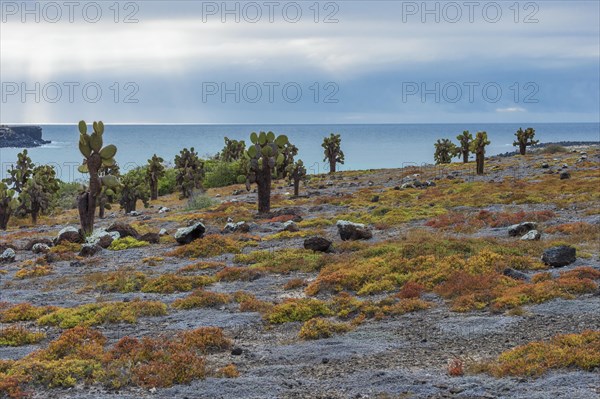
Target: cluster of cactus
[(525, 139), (445, 150), (95, 157), (154, 171), (39, 191), (20, 173), (333, 152), (478, 148), (233, 150), (296, 173), (262, 160), (465, 140), (8, 204), (190, 172), (133, 188)]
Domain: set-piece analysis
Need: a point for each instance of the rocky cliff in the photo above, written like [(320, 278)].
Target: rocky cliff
[(21, 136)]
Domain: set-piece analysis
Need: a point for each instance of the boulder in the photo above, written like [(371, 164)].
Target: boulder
[(565, 175), (89, 250), (186, 235), (521, 228), (69, 234), (40, 240), (317, 244), (558, 256), (103, 238), (353, 231), (8, 255), (545, 165), (40, 248), (515, 274), (532, 235), (163, 209), (124, 230), (163, 232), (231, 227), (152, 238), (135, 213), (290, 226)]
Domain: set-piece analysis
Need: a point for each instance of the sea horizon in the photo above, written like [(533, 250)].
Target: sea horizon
[(390, 145)]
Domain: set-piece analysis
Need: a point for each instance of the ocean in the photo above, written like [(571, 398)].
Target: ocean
[(364, 146)]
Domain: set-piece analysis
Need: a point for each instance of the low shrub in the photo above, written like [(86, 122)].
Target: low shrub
[(126, 243), (19, 336), (202, 299)]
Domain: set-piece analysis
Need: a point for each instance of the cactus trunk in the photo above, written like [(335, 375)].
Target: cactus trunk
[(296, 187), (263, 181), (479, 159), (101, 209), (522, 148), (332, 163), (86, 202), (35, 211), (153, 189), (465, 155), (4, 216)]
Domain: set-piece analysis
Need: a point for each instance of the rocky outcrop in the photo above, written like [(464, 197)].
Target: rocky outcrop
[(124, 230), (353, 231), (188, 234), (7, 256), (561, 255), (521, 228), (69, 234), (21, 136), (318, 244)]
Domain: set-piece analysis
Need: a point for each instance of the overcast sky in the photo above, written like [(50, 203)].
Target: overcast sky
[(381, 62)]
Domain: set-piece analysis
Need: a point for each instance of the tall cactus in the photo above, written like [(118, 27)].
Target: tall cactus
[(525, 139), (333, 151), (95, 156), (263, 159), (465, 140), (233, 150), (20, 173), (8, 204), (190, 172), (154, 171), (478, 148), (39, 191), (296, 173), (445, 150)]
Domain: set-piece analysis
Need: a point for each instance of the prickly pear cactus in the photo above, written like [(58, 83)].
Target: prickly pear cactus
[(525, 139), (333, 151), (134, 188), (465, 140), (8, 204), (233, 150), (95, 157), (20, 172), (39, 191), (445, 150), (296, 173), (478, 148), (262, 160), (154, 171), (190, 172)]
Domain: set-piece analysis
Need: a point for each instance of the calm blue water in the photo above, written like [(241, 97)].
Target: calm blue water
[(365, 146)]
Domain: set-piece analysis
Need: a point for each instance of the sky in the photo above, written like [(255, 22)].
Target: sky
[(300, 62)]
